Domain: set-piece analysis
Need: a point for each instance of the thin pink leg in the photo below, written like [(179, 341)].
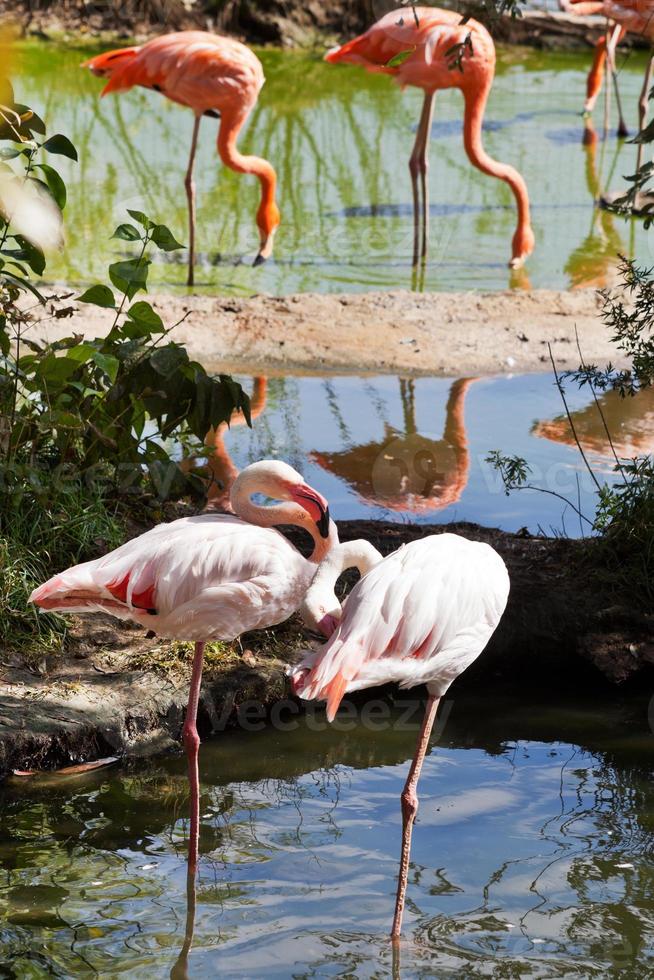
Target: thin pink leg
[(409, 809), (418, 165), (643, 103), (180, 967), (189, 184), (192, 745)]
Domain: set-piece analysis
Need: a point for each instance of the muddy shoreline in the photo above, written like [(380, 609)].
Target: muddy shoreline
[(117, 693), (412, 334)]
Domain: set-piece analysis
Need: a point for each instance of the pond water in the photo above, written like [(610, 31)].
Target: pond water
[(532, 855), (398, 449), (340, 140)]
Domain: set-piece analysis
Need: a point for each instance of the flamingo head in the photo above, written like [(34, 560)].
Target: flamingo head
[(268, 221), (321, 613), (278, 481), (313, 503)]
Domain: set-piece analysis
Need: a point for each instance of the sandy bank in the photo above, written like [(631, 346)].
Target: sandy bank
[(448, 334)]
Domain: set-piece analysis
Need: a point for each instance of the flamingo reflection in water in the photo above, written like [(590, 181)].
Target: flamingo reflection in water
[(593, 264), (408, 471), (220, 469), (630, 422)]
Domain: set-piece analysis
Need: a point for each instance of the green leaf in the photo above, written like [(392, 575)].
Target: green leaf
[(9, 153), (34, 124), (67, 420), (60, 144), (141, 219), (57, 369), (55, 184), (31, 254), (164, 239), (167, 360), (130, 276), (107, 363), (24, 284), (399, 58), (143, 316), (82, 353), (99, 296), (127, 233)]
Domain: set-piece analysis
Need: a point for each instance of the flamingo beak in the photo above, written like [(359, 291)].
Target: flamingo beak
[(315, 505), (266, 249)]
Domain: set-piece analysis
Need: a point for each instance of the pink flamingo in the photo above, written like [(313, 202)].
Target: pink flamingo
[(419, 616), (605, 49), (213, 76), (635, 17), (436, 49), (206, 578)]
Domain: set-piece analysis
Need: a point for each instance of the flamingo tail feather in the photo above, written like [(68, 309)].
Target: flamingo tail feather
[(118, 66)]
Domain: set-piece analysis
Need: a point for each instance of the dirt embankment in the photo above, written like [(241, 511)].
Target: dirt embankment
[(447, 334), (118, 693), (281, 22)]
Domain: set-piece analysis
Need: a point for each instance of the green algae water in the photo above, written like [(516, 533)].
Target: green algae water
[(532, 854), (340, 140)]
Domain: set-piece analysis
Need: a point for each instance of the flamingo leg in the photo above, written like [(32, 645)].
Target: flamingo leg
[(642, 108), (180, 967), (409, 800), (623, 130), (613, 39), (192, 746), (189, 184), (418, 166)]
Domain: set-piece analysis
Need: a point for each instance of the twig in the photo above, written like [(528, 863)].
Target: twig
[(559, 385), (599, 408)]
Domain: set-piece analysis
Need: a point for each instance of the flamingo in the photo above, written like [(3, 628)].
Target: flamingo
[(206, 578), (605, 49), (419, 616), (637, 17), (437, 49), (214, 76)]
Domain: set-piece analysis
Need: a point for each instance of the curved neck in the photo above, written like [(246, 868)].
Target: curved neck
[(273, 515), (230, 126), (320, 597), (475, 106)]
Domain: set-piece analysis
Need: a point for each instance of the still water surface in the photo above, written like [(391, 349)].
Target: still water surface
[(532, 855), (415, 449), (340, 140)]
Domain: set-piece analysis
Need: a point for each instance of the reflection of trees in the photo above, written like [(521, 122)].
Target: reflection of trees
[(406, 471), (630, 422)]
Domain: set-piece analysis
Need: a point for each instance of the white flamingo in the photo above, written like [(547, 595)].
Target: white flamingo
[(206, 578), (419, 616)]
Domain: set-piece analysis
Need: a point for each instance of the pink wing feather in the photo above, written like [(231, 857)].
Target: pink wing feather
[(199, 578), (421, 616)]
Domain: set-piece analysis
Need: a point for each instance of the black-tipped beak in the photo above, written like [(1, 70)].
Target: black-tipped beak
[(260, 259), (323, 523)]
